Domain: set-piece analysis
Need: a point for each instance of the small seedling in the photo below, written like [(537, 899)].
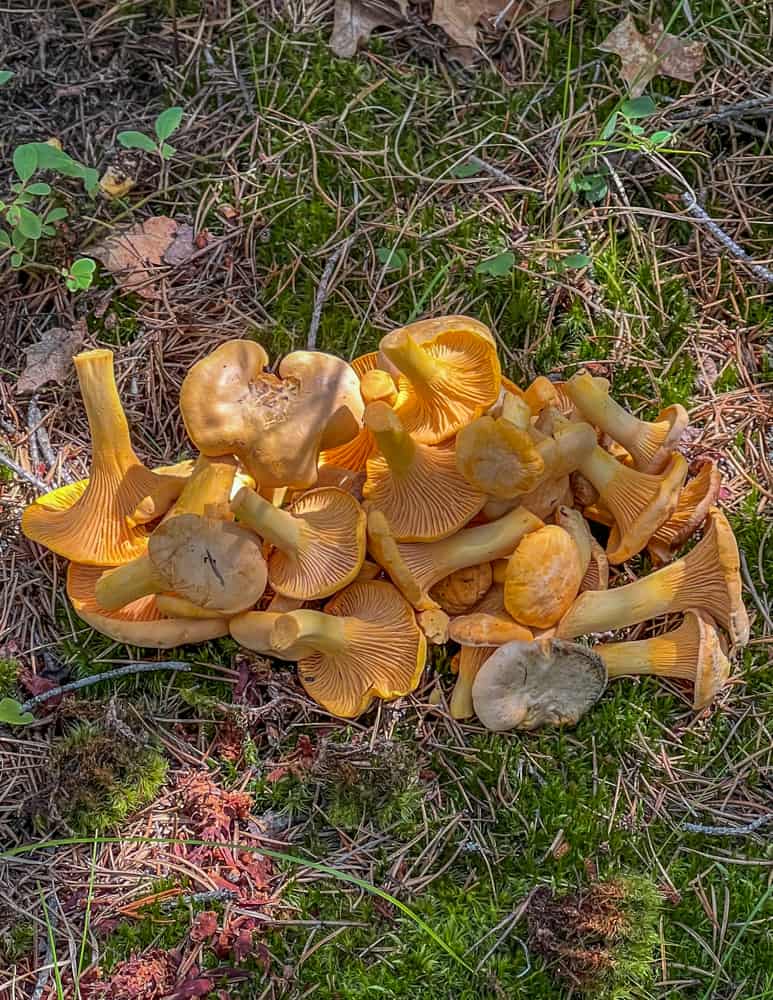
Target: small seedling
[(392, 259), (80, 274), (11, 713), (165, 125), (497, 266), (28, 222)]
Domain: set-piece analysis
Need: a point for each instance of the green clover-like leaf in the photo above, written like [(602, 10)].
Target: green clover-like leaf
[(466, 170), (17, 260), (393, 259), (498, 266), (574, 260), (30, 225), (12, 715), (638, 107), (137, 140), (25, 160), (38, 188), (5, 76), (167, 151), (167, 122), (57, 214)]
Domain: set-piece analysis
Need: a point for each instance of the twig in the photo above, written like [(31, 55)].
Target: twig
[(129, 668), (23, 474), (493, 171), (48, 957), (728, 831), (33, 417), (319, 298), (695, 210)]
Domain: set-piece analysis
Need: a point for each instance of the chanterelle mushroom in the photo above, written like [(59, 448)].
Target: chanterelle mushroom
[(415, 567), (319, 542), (543, 576), (524, 685), (462, 589), (706, 579), (139, 623), (366, 645), (650, 444), (692, 652), (415, 486), (375, 387), (215, 564), (450, 375), (91, 526), (275, 426), (695, 500)]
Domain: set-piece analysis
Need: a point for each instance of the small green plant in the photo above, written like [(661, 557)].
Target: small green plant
[(165, 125), (11, 713), (497, 266), (5, 76), (28, 220)]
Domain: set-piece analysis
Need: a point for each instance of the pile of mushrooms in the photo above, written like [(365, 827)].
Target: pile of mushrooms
[(344, 515)]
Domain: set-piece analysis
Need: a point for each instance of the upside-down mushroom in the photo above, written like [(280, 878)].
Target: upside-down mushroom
[(543, 576), (450, 375), (213, 563), (366, 645), (695, 500), (692, 652), (152, 507), (462, 589), (375, 387), (253, 630), (417, 487), (574, 523), (650, 444), (139, 623), (91, 526), (524, 685), (542, 501), (597, 574), (318, 543), (415, 567), (706, 579), (276, 426)]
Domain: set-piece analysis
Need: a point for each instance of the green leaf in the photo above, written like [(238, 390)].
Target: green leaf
[(30, 225), (596, 188), (636, 129), (84, 267), (466, 170), (574, 260), (658, 138), (39, 188), (638, 107), (395, 260), (48, 230), (51, 158), (18, 239), (16, 260), (496, 267), (57, 214), (12, 715), (137, 140), (5, 240), (5, 76), (167, 151), (13, 215), (167, 122), (25, 160), (609, 129)]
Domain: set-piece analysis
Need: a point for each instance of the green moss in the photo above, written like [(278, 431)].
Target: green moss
[(9, 677), (17, 942)]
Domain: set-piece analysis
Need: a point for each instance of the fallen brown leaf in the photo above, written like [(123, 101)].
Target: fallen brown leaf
[(355, 20), (49, 359), (133, 254), (655, 53), (459, 18)]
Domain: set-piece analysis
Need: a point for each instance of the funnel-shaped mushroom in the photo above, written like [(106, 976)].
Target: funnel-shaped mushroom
[(692, 652), (524, 685), (639, 502), (450, 375), (706, 579), (650, 444), (416, 567), (95, 530), (253, 629), (367, 645), (695, 500), (375, 387), (276, 426), (172, 482), (597, 574), (319, 542), (415, 486), (543, 576), (542, 501), (139, 623), (461, 590), (215, 564)]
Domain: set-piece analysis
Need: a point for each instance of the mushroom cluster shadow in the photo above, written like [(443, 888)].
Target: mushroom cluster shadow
[(345, 516)]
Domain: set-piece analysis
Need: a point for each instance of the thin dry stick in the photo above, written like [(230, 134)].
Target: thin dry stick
[(729, 831), (319, 298), (695, 210), (23, 474), (129, 668)]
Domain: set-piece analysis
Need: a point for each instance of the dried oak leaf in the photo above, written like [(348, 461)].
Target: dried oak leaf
[(355, 20), (655, 53), (460, 18), (50, 359), (133, 255)]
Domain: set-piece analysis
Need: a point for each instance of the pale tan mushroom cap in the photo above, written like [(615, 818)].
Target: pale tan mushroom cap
[(139, 623), (543, 577), (462, 589), (331, 548), (498, 458), (695, 500)]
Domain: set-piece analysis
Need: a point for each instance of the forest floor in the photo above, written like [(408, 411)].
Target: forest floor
[(403, 855)]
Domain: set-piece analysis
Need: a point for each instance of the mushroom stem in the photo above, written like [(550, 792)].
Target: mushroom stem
[(124, 584), (111, 444), (413, 362), (565, 452), (209, 483), (376, 385), (394, 442), (481, 544), (275, 526), (707, 579), (312, 629), (471, 659)]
